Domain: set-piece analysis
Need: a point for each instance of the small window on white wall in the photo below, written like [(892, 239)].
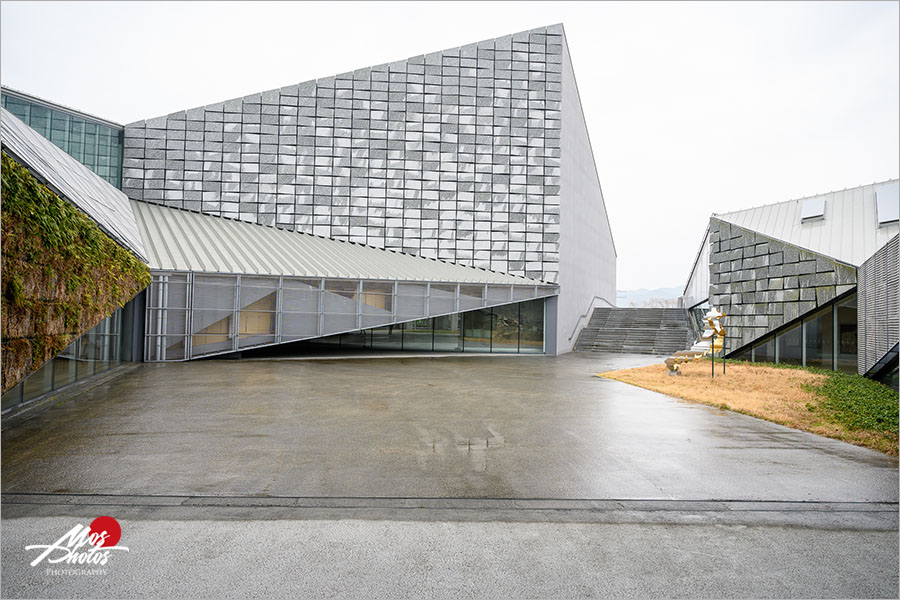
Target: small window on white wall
[(812, 209), (887, 202)]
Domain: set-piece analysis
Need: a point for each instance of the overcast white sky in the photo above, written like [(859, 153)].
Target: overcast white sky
[(693, 108)]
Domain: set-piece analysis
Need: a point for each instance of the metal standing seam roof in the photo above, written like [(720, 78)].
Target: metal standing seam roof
[(102, 202), (849, 231), (182, 240)]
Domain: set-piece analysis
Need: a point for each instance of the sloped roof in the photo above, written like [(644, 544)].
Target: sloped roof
[(71, 180), (849, 231), (182, 240)]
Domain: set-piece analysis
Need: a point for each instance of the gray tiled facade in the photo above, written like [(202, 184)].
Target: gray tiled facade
[(762, 283), (453, 155)]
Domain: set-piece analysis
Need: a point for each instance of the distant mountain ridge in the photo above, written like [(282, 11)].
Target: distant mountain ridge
[(659, 297)]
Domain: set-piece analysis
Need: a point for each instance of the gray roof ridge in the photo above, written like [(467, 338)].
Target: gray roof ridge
[(322, 237)]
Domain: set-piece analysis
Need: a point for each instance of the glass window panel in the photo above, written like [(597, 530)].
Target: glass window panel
[(348, 289), (505, 328), (22, 110), (90, 145), (205, 344), (174, 346), (887, 202), (101, 331), (790, 349), (97, 146), (846, 335), (376, 300), (38, 383), (115, 337), (447, 333), (300, 297), (209, 292), (531, 331), (356, 340), (204, 322), (471, 296), (336, 322), (76, 138), (64, 371), (40, 120), (331, 340), (377, 287), (418, 335), (765, 352), (477, 326), (742, 355), (387, 338), (819, 331), (891, 378), (87, 355), (59, 129), (252, 323), (12, 397)]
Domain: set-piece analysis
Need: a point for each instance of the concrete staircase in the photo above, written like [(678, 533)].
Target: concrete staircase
[(638, 330)]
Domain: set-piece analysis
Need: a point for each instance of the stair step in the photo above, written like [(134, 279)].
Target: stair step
[(637, 330)]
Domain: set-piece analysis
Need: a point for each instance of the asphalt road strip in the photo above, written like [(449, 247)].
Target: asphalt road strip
[(872, 516)]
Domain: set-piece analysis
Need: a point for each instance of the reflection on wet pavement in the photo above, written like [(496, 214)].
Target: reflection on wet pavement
[(516, 427)]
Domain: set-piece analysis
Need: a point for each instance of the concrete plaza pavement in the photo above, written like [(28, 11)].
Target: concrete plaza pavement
[(455, 427), (436, 477)]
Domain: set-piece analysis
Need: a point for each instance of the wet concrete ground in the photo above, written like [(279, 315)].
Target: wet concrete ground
[(455, 427), (438, 477)]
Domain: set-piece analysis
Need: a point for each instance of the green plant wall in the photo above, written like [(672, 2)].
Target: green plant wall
[(61, 274)]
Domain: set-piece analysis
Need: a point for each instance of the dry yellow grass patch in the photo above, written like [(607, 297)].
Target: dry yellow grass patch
[(769, 393)]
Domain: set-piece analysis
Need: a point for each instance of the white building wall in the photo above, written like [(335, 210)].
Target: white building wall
[(587, 253)]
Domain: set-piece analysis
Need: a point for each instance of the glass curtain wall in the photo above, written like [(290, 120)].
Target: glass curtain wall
[(190, 315), (448, 333), (788, 346), (98, 350), (845, 327), (417, 335), (510, 328), (505, 328), (477, 331), (818, 339), (765, 352), (96, 145), (825, 339)]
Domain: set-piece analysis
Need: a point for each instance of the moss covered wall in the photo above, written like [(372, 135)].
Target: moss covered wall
[(61, 275)]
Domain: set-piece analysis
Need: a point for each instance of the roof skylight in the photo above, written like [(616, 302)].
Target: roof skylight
[(812, 209), (887, 202)]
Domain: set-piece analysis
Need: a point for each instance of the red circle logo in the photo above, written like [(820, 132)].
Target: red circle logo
[(107, 525)]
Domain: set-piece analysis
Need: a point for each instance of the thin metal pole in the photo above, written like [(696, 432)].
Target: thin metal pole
[(723, 355), (713, 348), (236, 313), (189, 317)]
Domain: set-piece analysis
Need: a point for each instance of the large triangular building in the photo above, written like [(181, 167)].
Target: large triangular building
[(476, 156)]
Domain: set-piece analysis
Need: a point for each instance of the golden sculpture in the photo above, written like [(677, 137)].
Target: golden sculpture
[(711, 340)]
